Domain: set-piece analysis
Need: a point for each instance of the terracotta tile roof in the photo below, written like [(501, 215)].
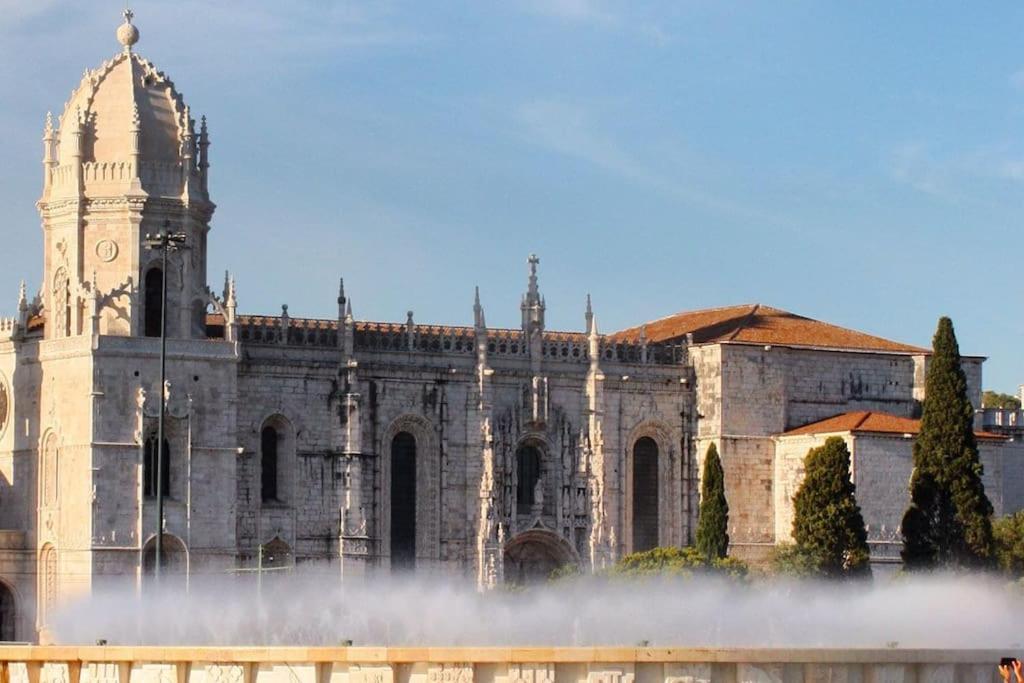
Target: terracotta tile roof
[(872, 422), (760, 324)]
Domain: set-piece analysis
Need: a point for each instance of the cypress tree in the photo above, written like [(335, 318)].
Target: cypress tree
[(949, 521), (713, 516), (827, 526)]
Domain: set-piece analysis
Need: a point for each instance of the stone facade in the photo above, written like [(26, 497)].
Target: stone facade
[(495, 454)]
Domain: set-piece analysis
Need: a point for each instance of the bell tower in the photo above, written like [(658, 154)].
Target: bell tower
[(125, 161)]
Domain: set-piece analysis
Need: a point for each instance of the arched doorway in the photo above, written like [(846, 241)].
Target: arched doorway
[(403, 501), (8, 614), (173, 562), (276, 554), (645, 494), (533, 555)]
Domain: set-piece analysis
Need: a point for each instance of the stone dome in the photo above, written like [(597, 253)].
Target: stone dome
[(109, 99)]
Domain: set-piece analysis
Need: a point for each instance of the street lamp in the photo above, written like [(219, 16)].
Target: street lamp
[(165, 241)]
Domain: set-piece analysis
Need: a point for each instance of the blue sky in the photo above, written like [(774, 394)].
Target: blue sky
[(861, 163)]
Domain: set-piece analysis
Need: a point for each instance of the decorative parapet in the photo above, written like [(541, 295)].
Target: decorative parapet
[(63, 664), (441, 339), (8, 327)]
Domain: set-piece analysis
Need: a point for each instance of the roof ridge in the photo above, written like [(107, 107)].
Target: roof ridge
[(864, 418), (746, 320), (690, 311)]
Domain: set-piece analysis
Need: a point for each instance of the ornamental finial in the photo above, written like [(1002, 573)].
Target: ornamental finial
[(127, 34)]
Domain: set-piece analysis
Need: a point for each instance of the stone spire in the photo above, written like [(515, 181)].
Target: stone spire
[(478, 313), (533, 303), (204, 154), (22, 306), (49, 150), (601, 548), (230, 309), (489, 545)]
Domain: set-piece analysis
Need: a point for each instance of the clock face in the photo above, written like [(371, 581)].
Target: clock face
[(5, 404)]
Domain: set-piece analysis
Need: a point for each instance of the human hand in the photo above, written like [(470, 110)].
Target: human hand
[(1018, 670), (1004, 671)]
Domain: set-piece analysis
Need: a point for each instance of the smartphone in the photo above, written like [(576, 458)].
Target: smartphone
[(1007, 661)]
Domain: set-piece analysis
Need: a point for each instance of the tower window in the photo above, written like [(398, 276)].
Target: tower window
[(149, 469), (403, 501), (154, 301), (528, 464), (268, 463), (645, 494)]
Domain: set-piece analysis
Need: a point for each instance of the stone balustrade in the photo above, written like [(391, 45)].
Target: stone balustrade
[(57, 664), (398, 337), (1006, 418)]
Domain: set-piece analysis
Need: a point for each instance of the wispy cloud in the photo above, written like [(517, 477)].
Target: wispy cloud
[(587, 11), (911, 164), (960, 176), (1017, 79), (571, 130), (598, 14)]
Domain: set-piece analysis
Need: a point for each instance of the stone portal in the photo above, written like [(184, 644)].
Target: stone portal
[(531, 556)]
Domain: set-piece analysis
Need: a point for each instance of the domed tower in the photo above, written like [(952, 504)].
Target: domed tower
[(125, 161)]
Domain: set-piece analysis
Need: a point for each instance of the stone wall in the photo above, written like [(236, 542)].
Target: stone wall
[(881, 466), (493, 665)]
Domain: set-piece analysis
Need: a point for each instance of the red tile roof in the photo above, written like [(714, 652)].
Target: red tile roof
[(760, 324), (872, 422)]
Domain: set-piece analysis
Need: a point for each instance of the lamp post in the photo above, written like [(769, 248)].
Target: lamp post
[(165, 241)]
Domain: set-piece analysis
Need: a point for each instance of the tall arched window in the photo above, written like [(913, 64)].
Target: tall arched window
[(49, 470), (645, 494), (528, 468), (403, 501), (149, 469), (61, 304), (269, 441), (48, 581), (154, 301)]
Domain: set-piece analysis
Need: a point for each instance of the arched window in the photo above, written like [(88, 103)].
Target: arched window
[(269, 441), (154, 301), (528, 468), (61, 304), (48, 581), (49, 470), (403, 501), (8, 615), (149, 469), (645, 494)]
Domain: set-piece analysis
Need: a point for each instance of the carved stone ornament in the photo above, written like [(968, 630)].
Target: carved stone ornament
[(5, 404), (106, 250)]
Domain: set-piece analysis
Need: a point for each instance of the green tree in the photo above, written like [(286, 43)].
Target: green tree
[(673, 561), (713, 516), (949, 521), (993, 399), (788, 559), (1009, 543), (827, 525)]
